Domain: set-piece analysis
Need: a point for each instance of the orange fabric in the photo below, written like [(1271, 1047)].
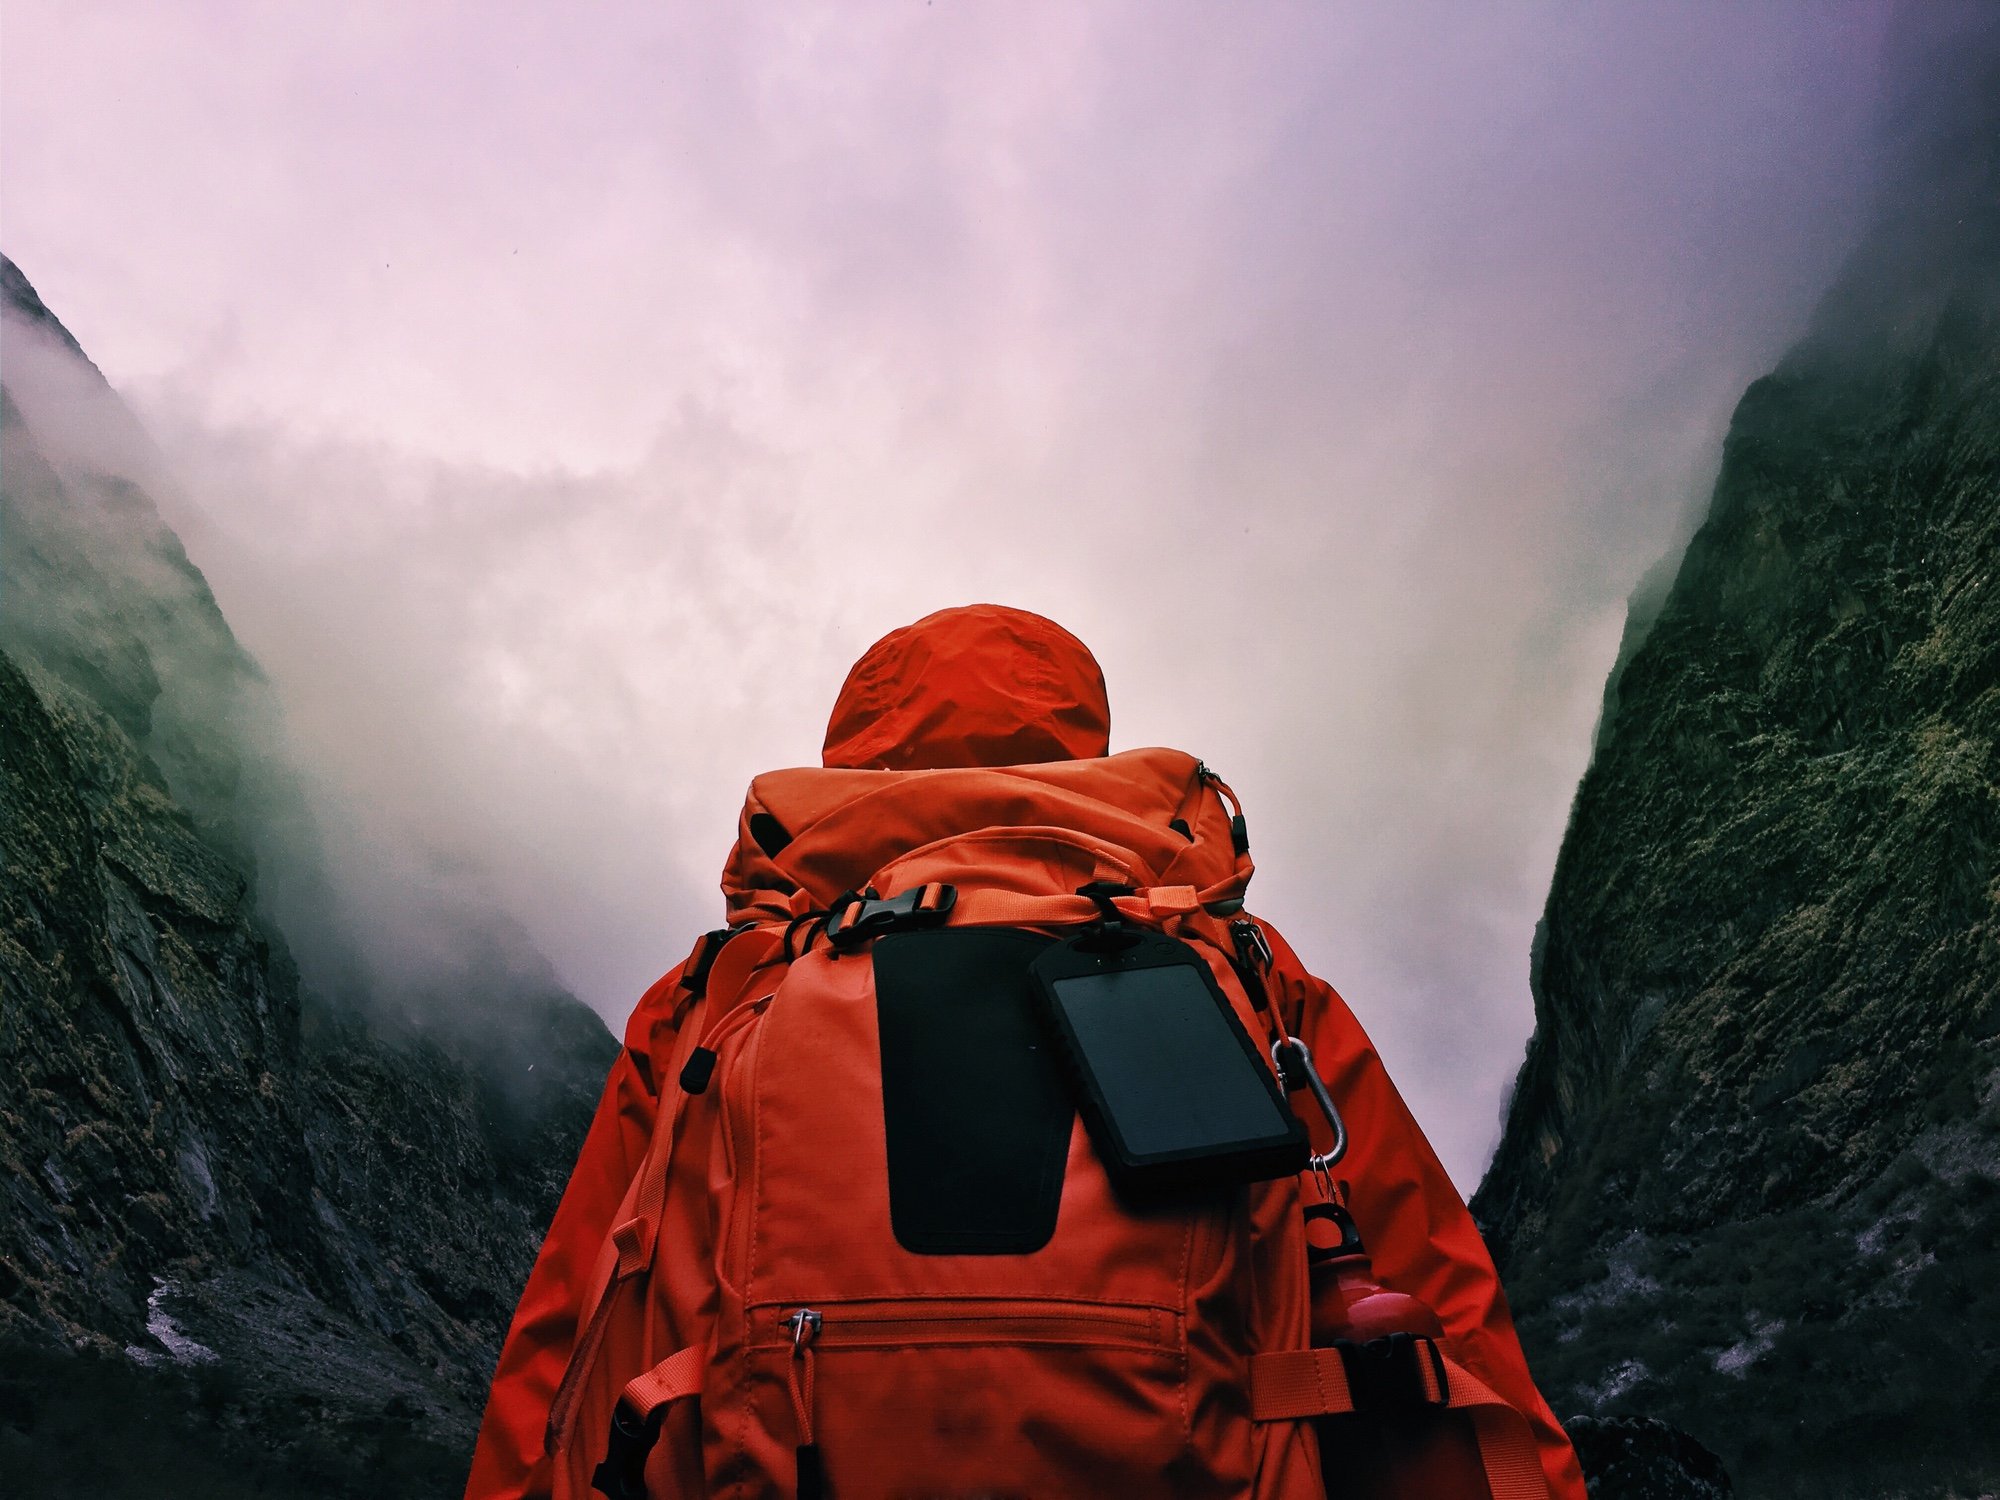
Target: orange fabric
[(849, 827), (509, 1460), (932, 702), (982, 685), (1287, 1384), (674, 1378), (1420, 1236)]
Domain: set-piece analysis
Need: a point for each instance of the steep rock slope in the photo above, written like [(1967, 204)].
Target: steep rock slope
[(1750, 1179), (273, 1219)]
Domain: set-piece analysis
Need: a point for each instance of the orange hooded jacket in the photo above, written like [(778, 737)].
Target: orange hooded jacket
[(990, 686)]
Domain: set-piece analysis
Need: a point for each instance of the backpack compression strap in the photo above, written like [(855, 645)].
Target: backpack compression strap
[(1289, 1385), (856, 918), (629, 1249), (939, 905), (635, 1424)]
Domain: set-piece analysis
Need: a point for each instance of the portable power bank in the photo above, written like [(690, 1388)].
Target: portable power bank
[(1174, 1092)]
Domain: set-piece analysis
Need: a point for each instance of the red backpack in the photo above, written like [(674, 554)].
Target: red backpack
[(873, 1250)]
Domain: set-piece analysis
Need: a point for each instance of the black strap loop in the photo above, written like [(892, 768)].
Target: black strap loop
[(1109, 930), (804, 921)]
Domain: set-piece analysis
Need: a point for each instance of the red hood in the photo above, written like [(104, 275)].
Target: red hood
[(979, 718), (982, 685)]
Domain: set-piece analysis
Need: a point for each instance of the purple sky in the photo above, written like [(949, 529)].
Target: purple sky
[(562, 397)]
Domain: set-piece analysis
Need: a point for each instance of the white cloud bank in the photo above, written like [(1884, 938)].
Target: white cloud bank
[(566, 395)]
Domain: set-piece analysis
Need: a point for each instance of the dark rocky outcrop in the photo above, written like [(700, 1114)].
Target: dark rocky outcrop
[(286, 1221), (1642, 1458), (1750, 1178)]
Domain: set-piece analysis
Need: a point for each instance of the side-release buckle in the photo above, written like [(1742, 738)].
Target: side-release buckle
[(1387, 1374), (622, 1475), (871, 916)]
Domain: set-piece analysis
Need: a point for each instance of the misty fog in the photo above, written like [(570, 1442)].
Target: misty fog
[(557, 409)]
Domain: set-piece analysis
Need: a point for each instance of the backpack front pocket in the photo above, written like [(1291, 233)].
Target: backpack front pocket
[(883, 1326), (968, 1396)]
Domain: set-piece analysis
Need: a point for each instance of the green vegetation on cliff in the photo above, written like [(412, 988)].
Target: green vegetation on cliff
[(1750, 1180), (268, 1235)]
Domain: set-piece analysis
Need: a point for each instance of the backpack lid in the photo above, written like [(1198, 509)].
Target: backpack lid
[(820, 833)]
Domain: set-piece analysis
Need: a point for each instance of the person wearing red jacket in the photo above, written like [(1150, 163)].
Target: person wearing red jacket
[(985, 686)]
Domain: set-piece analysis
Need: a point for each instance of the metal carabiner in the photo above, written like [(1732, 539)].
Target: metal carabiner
[(1320, 1162)]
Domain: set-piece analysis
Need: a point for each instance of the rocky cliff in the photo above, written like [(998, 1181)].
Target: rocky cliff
[(267, 1231), (1750, 1177)]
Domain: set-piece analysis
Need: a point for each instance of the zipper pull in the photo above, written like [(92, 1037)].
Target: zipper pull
[(1251, 944), (804, 1324), (1253, 960), (1239, 831)]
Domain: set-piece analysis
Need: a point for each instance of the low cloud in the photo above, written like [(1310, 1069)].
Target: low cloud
[(556, 425)]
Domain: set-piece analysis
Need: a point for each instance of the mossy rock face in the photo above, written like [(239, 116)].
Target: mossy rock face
[(278, 1234), (1750, 1180)]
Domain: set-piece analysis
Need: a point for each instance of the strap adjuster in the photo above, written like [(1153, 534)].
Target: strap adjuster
[(871, 916), (1387, 1374), (622, 1475)]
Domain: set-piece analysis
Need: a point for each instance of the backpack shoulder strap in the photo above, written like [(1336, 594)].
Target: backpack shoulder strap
[(721, 969), (663, 1010)]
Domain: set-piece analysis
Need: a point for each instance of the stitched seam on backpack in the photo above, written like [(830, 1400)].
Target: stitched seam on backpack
[(919, 1297), (1187, 1313), (750, 1250)]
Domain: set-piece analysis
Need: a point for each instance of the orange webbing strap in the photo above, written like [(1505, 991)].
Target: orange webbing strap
[(619, 1249), (674, 1378), (1151, 907), (1288, 1385), (992, 908), (728, 986), (635, 1427), (630, 1248), (625, 1254)]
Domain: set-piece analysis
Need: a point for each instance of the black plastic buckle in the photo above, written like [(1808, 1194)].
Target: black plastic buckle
[(1387, 1374), (622, 1475), (871, 916)]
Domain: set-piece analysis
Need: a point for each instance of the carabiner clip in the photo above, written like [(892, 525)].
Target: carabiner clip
[(1320, 1162)]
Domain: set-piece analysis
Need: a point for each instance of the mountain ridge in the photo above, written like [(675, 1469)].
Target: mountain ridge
[(292, 1216), (1750, 1175)]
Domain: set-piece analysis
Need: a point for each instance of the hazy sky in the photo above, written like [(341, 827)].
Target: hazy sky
[(564, 395)]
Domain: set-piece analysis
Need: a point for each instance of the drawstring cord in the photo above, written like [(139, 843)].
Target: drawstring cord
[(805, 1326)]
